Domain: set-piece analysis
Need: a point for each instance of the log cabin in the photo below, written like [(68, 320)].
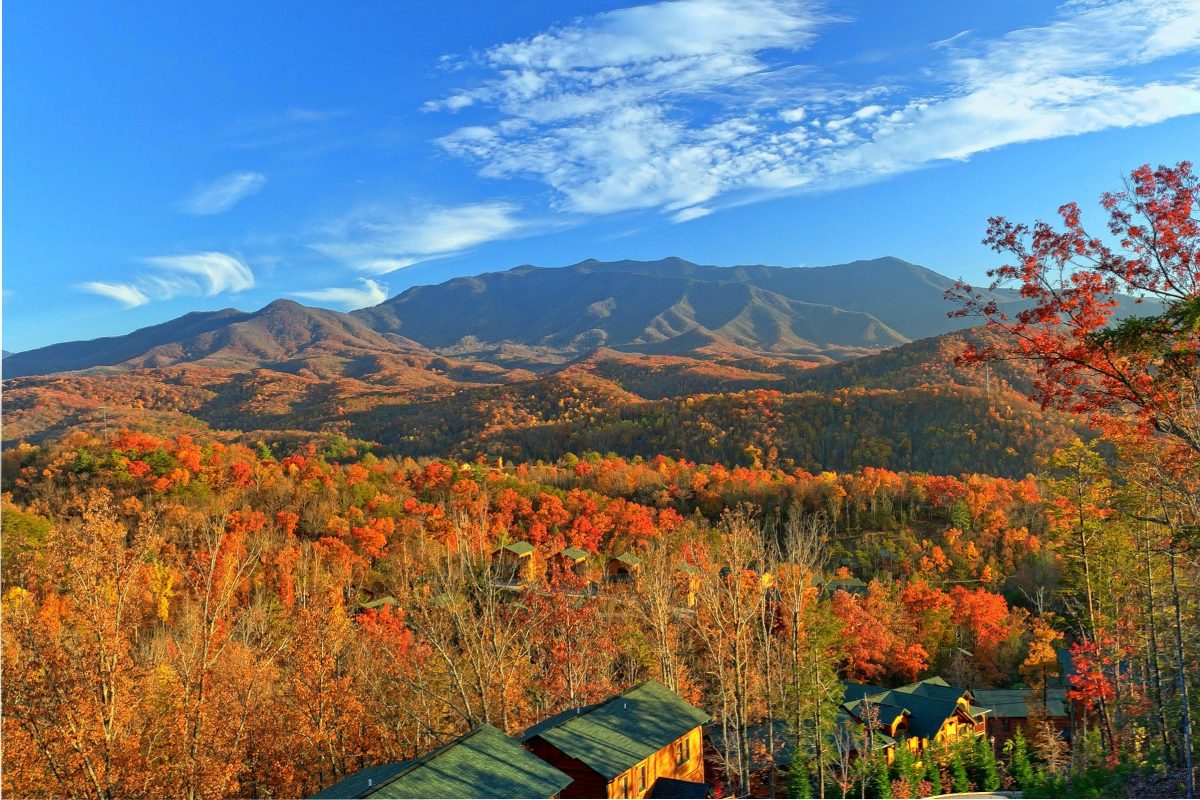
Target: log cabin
[(645, 742), (918, 714), (622, 568), (483, 763), (514, 564)]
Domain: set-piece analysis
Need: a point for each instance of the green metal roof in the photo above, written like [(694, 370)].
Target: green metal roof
[(359, 784), (612, 736), (1020, 703), (574, 553), (484, 763), (848, 585), (687, 569), (383, 601), (929, 703), (628, 558), (518, 548)]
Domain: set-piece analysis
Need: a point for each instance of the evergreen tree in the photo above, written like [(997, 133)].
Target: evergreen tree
[(881, 780), (984, 772), (958, 770), (933, 772), (904, 768), (798, 784), (1019, 765)]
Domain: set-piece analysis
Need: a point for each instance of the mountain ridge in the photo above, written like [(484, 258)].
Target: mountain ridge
[(539, 318)]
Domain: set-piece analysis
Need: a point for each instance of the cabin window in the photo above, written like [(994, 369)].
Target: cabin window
[(642, 778), (683, 749), (624, 786)]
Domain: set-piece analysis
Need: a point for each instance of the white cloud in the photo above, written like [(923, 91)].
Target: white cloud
[(370, 293), (216, 272), (675, 104), (381, 240), (126, 294), (689, 214), (224, 193), (206, 274)]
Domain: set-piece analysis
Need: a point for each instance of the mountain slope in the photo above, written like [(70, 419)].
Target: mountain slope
[(112, 350), (668, 307)]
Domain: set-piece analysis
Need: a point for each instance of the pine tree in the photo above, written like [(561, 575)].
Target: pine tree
[(985, 773), (1019, 765), (933, 772), (904, 768), (798, 784), (958, 771), (881, 781)]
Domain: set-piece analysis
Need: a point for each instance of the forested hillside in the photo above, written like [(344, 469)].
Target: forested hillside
[(254, 562)]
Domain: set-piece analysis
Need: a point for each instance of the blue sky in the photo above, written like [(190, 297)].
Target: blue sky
[(167, 157)]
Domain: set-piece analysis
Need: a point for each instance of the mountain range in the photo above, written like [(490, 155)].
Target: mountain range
[(827, 368), (536, 318)]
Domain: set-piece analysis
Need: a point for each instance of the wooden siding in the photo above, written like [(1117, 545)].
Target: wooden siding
[(663, 764)]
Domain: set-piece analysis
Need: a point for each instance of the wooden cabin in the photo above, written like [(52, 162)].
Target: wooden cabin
[(622, 568), (483, 763), (1013, 709), (918, 714), (514, 564), (645, 742)]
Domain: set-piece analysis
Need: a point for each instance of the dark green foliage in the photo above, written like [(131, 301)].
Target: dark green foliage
[(880, 779), (904, 767), (958, 771), (1020, 767), (933, 772), (798, 784), (983, 770)]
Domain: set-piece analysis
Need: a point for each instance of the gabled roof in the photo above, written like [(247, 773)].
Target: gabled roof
[(929, 703), (687, 569), (574, 553), (857, 691), (517, 548), (612, 736), (627, 558), (483, 763), (848, 585), (382, 601)]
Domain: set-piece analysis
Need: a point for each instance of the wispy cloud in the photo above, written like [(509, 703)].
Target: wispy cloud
[(224, 193), (676, 104), (126, 294), (207, 274), (383, 240), (216, 272), (369, 293)]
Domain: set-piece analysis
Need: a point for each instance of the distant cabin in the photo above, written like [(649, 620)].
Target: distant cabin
[(483, 763), (379, 603), (573, 560), (848, 585), (887, 560), (645, 742), (514, 564), (917, 715), (622, 568), (1012, 709)]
